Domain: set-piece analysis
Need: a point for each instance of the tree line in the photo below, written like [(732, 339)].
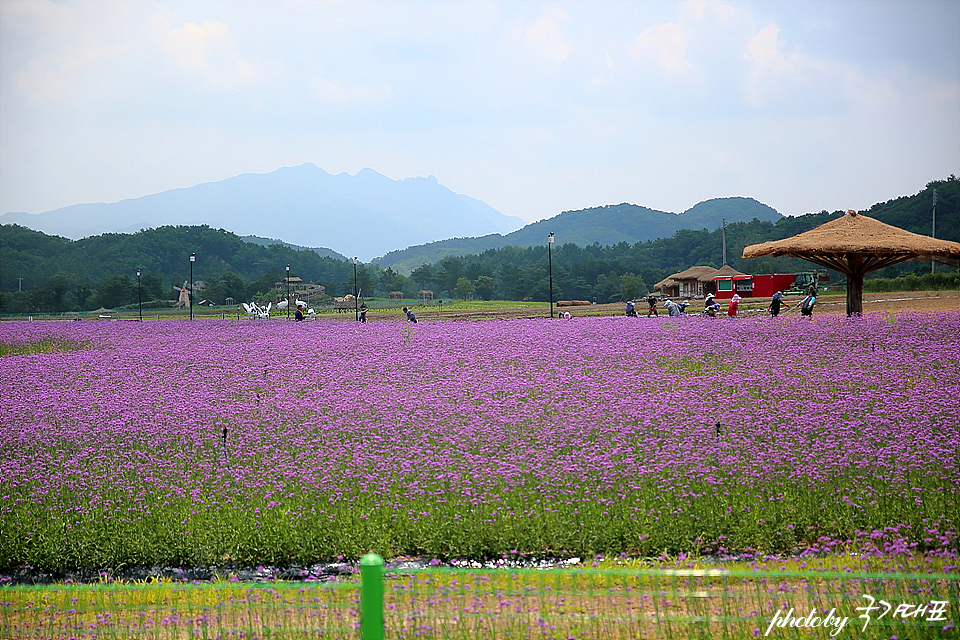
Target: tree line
[(41, 273)]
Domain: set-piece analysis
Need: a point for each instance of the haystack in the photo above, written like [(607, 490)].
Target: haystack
[(855, 245)]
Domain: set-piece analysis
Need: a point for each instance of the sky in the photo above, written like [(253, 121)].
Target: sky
[(532, 107)]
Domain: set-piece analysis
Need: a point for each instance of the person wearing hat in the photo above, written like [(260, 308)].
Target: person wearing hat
[(673, 309), (775, 303), (734, 304)]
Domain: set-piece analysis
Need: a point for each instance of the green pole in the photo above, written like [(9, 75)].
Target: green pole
[(371, 597)]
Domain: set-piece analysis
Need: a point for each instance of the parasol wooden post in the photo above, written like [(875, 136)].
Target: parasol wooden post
[(854, 294), (855, 284)]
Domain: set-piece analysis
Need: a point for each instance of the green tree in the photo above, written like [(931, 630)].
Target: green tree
[(511, 282), (449, 271), (55, 290), (486, 287), (115, 291), (152, 286), (607, 288), (265, 283), (631, 286), (423, 275), (464, 288), (366, 281)]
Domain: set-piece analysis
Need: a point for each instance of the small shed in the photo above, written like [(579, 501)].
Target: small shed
[(425, 295), (395, 295)]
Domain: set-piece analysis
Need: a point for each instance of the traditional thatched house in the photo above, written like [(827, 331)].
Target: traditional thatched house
[(668, 287), (685, 284), (855, 245)]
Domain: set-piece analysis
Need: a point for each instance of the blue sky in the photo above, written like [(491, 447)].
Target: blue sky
[(532, 107)]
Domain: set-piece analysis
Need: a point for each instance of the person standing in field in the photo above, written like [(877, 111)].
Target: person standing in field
[(733, 306), (775, 303), (806, 305)]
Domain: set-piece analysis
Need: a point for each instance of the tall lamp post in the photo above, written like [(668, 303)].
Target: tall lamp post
[(193, 258), (139, 296), (550, 268), (356, 303), (288, 292)]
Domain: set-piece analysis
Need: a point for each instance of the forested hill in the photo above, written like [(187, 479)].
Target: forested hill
[(60, 275), (606, 225), (615, 271), (163, 256)]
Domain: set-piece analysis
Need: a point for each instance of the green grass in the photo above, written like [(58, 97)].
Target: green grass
[(41, 345)]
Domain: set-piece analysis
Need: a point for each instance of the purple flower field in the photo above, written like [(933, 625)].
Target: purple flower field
[(477, 439)]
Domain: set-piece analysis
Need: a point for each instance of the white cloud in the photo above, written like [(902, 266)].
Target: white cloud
[(666, 44), (72, 43), (778, 76), (544, 37), (208, 48)]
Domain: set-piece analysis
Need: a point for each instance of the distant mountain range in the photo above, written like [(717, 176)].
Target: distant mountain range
[(363, 215), (607, 225)]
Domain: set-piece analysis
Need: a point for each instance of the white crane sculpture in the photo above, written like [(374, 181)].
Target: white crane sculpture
[(255, 311)]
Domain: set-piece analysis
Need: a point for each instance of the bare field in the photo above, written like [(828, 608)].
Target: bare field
[(832, 304)]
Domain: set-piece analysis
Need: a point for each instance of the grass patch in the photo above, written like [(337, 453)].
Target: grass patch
[(48, 344)]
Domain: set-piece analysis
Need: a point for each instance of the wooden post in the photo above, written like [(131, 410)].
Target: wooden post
[(854, 294), (855, 284)]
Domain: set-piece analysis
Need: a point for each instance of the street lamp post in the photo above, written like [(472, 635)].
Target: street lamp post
[(139, 296), (288, 292), (193, 258), (550, 268), (356, 303)]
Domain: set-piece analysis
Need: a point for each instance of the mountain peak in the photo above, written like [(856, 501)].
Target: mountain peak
[(363, 215)]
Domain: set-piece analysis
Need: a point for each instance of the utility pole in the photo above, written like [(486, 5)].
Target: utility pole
[(20, 284), (724, 220), (193, 258), (550, 268), (933, 233), (356, 303)]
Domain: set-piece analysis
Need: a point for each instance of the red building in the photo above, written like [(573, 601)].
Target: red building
[(760, 286)]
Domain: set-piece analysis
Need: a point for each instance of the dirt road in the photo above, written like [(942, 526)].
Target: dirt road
[(826, 304)]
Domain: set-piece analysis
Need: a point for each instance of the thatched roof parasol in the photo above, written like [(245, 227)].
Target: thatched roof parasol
[(855, 245), (725, 270)]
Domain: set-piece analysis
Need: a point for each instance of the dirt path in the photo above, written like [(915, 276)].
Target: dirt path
[(831, 304)]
